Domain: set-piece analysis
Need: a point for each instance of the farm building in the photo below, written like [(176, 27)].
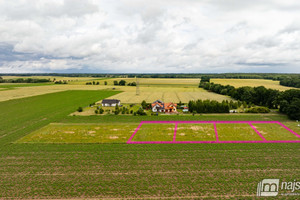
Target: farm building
[(160, 106), (111, 102)]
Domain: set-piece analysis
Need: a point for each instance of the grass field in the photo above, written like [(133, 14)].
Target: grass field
[(236, 132), (155, 132), (148, 132), (251, 82), (21, 116), (275, 132), (195, 132), (81, 133)]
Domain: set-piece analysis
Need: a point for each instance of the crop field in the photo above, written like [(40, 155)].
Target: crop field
[(251, 82), (21, 116), (150, 94)]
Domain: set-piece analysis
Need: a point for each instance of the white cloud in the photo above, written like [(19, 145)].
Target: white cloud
[(149, 36)]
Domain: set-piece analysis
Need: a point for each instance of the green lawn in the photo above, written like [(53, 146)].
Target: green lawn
[(195, 132), (236, 132)]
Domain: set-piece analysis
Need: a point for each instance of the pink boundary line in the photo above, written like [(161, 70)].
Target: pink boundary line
[(260, 135), (175, 131), (216, 133)]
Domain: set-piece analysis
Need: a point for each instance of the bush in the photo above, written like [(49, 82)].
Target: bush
[(79, 109), (258, 110), (122, 82), (141, 112), (96, 111), (101, 111)]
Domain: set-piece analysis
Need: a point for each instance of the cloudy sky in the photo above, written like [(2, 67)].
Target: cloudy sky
[(149, 36)]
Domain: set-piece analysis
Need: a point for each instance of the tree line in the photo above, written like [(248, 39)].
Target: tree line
[(291, 82), (210, 106), (287, 101), (24, 80)]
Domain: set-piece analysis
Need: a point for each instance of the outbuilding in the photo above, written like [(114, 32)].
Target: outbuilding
[(111, 102)]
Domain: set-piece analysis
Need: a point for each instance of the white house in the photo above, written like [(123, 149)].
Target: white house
[(111, 102), (158, 106)]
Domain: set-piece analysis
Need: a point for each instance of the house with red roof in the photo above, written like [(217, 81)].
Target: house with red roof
[(160, 106)]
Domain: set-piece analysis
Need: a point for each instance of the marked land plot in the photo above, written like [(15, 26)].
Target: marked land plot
[(237, 132), (155, 132), (275, 132), (213, 132), (195, 132), (80, 133)]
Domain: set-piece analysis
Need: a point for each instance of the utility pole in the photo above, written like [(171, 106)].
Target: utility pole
[(137, 86)]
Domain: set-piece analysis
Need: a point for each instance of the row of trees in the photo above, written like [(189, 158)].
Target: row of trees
[(123, 83), (23, 80), (95, 83), (252, 95), (287, 101), (208, 106)]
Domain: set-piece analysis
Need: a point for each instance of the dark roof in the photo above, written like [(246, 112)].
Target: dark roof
[(110, 101), (158, 101)]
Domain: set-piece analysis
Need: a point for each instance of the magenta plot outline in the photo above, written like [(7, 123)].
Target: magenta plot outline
[(216, 132)]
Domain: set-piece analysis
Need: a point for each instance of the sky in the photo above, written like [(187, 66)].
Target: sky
[(149, 36)]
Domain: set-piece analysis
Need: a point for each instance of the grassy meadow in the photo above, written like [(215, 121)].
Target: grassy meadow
[(81, 133), (195, 132), (121, 132)]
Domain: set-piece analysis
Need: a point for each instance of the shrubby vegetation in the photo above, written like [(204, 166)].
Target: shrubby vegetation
[(61, 82), (258, 110), (92, 83)]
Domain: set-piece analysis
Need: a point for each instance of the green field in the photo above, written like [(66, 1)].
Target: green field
[(155, 132), (81, 133), (195, 132), (121, 132), (275, 132), (21, 116), (236, 132)]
